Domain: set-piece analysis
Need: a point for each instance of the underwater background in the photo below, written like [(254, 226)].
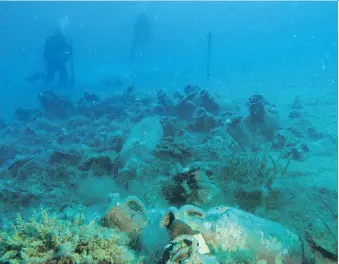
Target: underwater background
[(202, 125)]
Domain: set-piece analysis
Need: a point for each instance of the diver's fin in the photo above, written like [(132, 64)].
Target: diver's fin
[(37, 76)]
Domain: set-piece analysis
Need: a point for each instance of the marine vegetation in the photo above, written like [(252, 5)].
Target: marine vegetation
[(45, 239), (254, 177)]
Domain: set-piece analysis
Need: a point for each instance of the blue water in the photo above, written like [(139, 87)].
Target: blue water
[(281, 50), (266, 44)]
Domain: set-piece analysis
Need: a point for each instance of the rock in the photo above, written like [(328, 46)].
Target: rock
[(7, 152), (90, 105), (64, 137), (45, 125), (27, 115), (15, 200), (24, 168), (100, 165), (171, 148), (72, 158), (77, 123), (56, 106), (29, 132), (2, 123)]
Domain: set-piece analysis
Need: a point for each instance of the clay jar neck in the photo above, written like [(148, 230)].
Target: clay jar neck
[(257, 108)]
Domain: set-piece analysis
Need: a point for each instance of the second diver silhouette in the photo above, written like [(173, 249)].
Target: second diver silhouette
[(141, 36), (208, 64)]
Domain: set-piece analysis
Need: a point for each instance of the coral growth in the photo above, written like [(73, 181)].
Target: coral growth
[(52, 241)]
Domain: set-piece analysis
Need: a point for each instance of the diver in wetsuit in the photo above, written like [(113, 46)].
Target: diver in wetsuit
[(141, 36), (57, 52)]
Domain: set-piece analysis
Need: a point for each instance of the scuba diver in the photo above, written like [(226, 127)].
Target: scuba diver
[(57, 52), (141, 36)]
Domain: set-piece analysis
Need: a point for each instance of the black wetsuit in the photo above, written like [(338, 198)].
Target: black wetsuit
[(57, 52)]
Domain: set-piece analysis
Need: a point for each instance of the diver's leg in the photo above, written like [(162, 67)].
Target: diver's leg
[(50, 72), (63, 75)]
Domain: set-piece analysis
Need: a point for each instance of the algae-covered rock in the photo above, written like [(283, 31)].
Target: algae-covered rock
[(192, 186), (173, 148)]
